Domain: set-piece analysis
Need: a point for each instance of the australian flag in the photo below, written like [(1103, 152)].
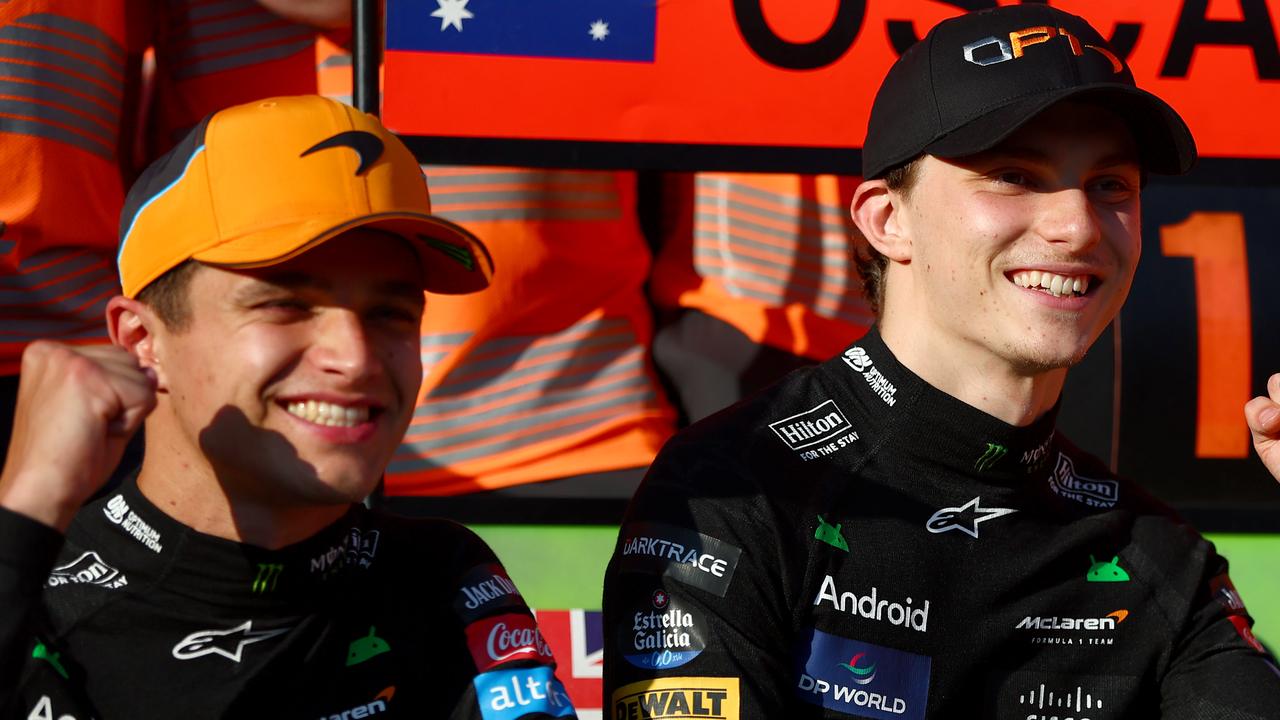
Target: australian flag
[(574, 29)]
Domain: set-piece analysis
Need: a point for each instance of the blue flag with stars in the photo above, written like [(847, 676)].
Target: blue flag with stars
[(573, 29)]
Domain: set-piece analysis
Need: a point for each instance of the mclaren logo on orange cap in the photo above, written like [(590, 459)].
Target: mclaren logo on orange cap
[(992, 50), (367, 145)]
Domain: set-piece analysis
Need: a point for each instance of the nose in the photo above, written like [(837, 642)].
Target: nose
[(341, 345), (1068, 220)]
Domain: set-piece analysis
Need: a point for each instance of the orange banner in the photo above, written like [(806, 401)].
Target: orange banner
[(779, 73)]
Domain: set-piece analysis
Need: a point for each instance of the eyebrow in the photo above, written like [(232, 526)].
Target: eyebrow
[(267, 284), (1019, 152)]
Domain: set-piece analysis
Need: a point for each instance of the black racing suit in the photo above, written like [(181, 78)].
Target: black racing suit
[(854, 542), (137, 616)]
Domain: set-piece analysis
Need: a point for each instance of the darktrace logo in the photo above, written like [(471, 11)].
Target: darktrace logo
[(858, 359), (1095, 493), (964, 518), (1060, 630), (675, 698), (690, 557), (874, 682), (663, 633), (870, 606), (228, 643), (994, 50), (88, 569), (994, 453), (374, 707), (368, 147)]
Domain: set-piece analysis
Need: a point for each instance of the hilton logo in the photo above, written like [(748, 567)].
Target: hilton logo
[(811, 427)]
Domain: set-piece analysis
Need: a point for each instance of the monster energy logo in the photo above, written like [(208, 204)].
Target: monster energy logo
[(462, 256), (268, 575), (992, 456)]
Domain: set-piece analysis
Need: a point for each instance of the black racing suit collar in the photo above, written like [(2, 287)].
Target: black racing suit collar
[(940, 427), (228, 573)]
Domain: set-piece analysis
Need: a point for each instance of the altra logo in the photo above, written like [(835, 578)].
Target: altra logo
[(507, 637), (994, 50), (512, 694), (118, 512), (228, 643), (964, 518), (88, 569), (1088, 491), (818, 424)]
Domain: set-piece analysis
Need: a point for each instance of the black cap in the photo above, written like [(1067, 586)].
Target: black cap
[(977, 78)]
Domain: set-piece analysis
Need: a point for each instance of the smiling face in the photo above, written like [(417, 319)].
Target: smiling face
[(1023, 254), (294, 383)]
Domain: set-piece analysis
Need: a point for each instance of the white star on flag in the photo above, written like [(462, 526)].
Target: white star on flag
[(599, 30), (452, 12)]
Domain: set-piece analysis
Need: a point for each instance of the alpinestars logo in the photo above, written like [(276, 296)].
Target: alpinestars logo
[(227, 643), (1087, 491), (88, 569), (964, 518)]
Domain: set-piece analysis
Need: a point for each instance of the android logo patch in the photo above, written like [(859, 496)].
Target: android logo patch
[(365, 648), (1106, 571), (830, 534)]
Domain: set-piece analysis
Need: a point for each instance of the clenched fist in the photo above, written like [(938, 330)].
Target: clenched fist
[(1263, 416), (77, 409)]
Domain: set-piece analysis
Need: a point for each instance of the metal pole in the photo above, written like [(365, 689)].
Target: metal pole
[(366, 55)]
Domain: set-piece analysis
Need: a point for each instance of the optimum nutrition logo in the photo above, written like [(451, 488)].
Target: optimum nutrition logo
[(811, 427)]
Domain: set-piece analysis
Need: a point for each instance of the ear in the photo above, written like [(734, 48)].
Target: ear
[(878, 213), (132, 326)]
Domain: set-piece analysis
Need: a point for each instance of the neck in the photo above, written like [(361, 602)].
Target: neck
[(188, 489), (971, 374)]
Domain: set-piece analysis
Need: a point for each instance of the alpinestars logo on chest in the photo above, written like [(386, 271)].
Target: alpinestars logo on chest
[(964, 518), (227, 643)]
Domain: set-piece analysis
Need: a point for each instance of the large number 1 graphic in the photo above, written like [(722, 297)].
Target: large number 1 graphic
[(1216, 242)]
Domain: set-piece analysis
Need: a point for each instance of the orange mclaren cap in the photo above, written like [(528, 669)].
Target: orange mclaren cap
[(257, 184)]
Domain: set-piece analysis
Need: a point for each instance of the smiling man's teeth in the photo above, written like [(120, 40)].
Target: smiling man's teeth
[(325, 413), (1056, 285)]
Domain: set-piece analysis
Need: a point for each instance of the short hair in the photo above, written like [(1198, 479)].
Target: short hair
[(168, 296), (870, 263)]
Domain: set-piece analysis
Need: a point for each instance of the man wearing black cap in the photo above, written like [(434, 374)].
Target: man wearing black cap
[(900, 532), (273, 267)]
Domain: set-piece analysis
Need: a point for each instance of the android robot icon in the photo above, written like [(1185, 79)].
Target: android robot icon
[(1106, 571), (830, 534), (366, 648)]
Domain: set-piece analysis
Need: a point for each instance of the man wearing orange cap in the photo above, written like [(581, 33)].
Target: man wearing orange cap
[(272, 267)]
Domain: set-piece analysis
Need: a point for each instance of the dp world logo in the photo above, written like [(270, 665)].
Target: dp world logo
[(862, 675)]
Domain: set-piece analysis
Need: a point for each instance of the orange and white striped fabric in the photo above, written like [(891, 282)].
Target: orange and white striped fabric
[(770, 254), (546, 374), (67, 77)]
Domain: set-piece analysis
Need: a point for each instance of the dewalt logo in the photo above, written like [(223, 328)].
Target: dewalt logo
[(669, 698)]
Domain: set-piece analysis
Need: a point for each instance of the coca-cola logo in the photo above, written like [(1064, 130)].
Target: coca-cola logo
[(504, 638)]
